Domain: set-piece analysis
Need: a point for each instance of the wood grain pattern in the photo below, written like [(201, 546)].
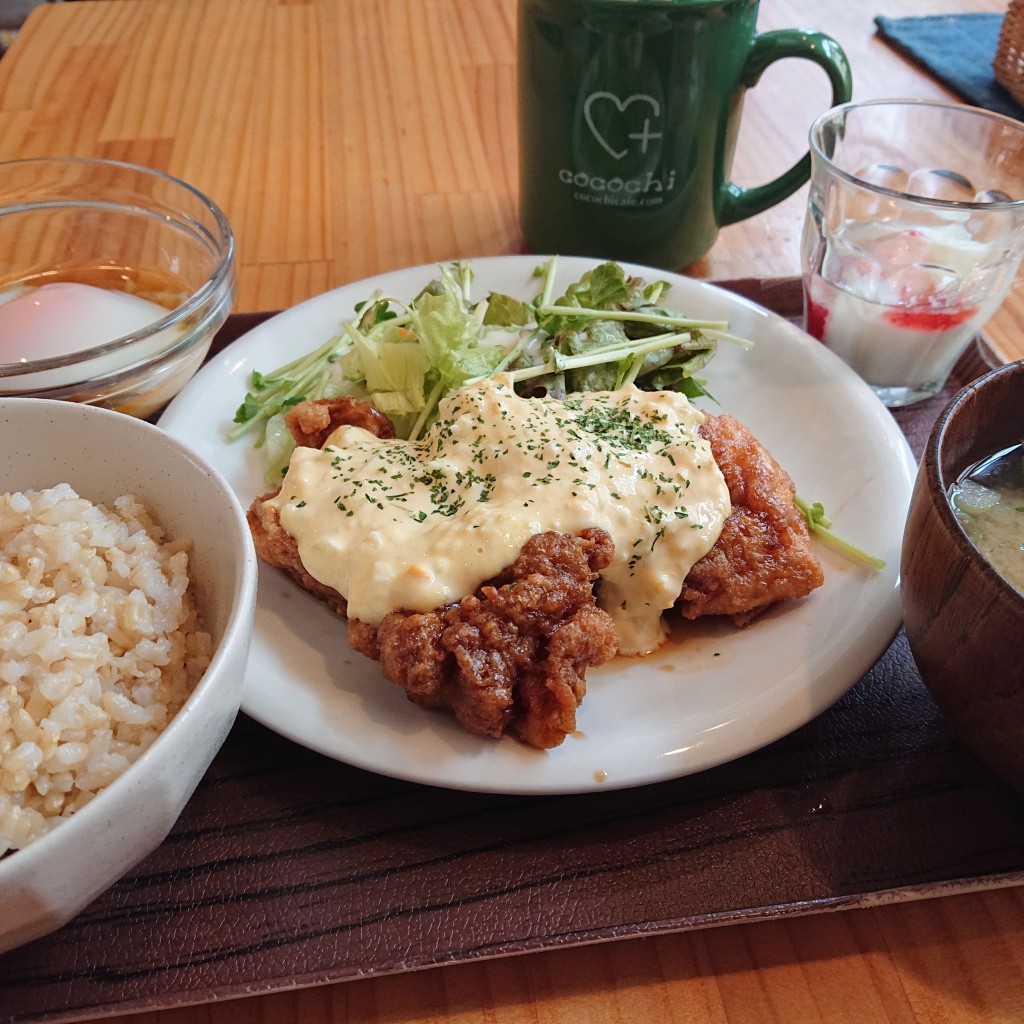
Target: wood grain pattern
[(952, 961), (348, 137), (344, 138)]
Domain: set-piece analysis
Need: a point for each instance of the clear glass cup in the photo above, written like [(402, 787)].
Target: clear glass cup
[(913, 236)]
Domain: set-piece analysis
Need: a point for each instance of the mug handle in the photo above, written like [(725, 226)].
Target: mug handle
[(739, 203)]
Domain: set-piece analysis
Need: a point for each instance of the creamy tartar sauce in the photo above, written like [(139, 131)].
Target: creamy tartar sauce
[(415, 525)]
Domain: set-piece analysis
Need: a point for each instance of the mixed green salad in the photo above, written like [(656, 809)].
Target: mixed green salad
[(608, 330)]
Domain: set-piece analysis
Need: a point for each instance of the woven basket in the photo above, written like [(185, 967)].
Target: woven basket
[(1009, 61)]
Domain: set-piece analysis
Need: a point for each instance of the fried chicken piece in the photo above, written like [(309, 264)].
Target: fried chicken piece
[(763, 554), (514, 655), (275, 546), (511, 657), (311, 423)]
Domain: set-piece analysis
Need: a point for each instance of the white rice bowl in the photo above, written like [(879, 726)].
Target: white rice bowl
[(105, 732)]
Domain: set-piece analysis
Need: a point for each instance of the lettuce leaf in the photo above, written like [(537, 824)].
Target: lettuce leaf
[(606, 330)]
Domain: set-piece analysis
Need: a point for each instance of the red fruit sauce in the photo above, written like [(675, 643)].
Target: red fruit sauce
[(817, 317), (923, 319)]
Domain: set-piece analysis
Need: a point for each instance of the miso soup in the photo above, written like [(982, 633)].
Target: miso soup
[(988, 500)]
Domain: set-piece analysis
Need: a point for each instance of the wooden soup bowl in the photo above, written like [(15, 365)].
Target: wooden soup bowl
[(965, 623)]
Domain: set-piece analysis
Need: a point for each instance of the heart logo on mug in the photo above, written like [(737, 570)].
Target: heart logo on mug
[(645, 135)]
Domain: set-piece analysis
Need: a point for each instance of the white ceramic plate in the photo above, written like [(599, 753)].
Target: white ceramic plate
[(712, 694)]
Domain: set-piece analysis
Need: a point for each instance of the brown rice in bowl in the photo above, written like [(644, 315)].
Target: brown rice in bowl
[(103, 455), (99, 648)]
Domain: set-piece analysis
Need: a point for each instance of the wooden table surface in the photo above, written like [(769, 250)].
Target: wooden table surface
[(348, 137)]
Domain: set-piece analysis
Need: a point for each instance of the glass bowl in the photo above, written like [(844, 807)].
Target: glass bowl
[(72, 222)]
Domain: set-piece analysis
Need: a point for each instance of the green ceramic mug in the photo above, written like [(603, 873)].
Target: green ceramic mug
[(628, 117)]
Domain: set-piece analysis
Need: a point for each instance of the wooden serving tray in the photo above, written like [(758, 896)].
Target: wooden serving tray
[(289, 869)]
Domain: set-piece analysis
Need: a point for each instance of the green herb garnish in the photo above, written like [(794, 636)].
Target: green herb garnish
[(821, 527)]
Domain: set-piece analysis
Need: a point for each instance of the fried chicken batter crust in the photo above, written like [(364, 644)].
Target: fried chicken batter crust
[(513, 656), (763, 554), (311, 423)]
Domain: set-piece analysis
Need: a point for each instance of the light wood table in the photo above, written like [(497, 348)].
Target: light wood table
[(344, 139), (348, 137)]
